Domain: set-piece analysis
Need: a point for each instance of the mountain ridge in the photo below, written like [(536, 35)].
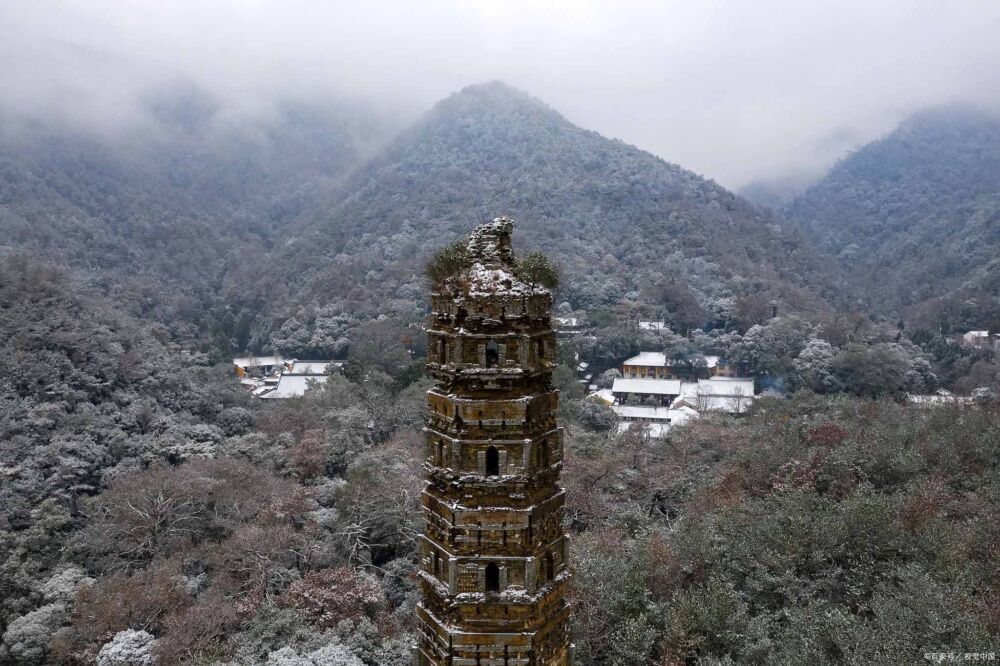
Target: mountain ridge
[(613, 216), (915, 216)]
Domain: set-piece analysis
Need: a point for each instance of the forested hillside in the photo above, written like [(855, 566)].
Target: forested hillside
[(143, 496), (158, 216), (915, 219), (812, 531), (615, 218)]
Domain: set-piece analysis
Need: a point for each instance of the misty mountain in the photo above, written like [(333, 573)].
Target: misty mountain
[(915, 218), (614, 217), (158, 217), (776, 192)]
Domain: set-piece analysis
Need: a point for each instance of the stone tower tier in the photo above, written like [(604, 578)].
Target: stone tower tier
[(512, 610), (445, 643), (470, 528), (470, 585), (488, 461), (509, 417), (493, 360), (513, 310), (490, 292)]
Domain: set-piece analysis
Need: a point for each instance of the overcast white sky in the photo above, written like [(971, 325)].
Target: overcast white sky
[(733, 90)]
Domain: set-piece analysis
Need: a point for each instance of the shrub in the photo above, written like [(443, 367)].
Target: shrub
[(536, 269), (448, 262), (332, 595)]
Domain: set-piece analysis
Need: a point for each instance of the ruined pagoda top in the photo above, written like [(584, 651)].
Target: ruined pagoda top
[(494, 269), (490, 245)]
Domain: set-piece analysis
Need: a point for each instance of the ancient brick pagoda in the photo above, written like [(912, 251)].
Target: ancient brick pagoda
[(493, 557)]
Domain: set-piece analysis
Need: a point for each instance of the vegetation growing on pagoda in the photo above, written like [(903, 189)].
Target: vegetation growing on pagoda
[(536, 269), (448, 262)]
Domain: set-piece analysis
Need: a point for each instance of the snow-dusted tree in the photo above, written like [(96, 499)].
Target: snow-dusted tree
[(27, 637), (63, 585), (448, 261), (607, 378), (770, 348), (328, 655), (634, 640), (919, 377), (984, 394), (814, 367), (331, 595), (235, 420), (874, 370), (127, 648), (596, 415), (536, 268)]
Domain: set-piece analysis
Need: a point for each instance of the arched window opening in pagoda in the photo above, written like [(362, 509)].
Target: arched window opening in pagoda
[(492, 578), (492, 354), (492, 461)]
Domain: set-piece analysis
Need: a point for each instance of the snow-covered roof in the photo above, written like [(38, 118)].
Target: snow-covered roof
[(292, 386), (719, 386), (653, 326), (939, 397), (657, 419), (256, 361), (566, 321), (643, 412), (654, 429), (721, 394), (656, 359), (604, 395), (647, 386), (309, 367), (660, 360), (977, 334)]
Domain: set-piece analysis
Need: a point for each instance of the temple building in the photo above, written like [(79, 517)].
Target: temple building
[(493, 563)]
